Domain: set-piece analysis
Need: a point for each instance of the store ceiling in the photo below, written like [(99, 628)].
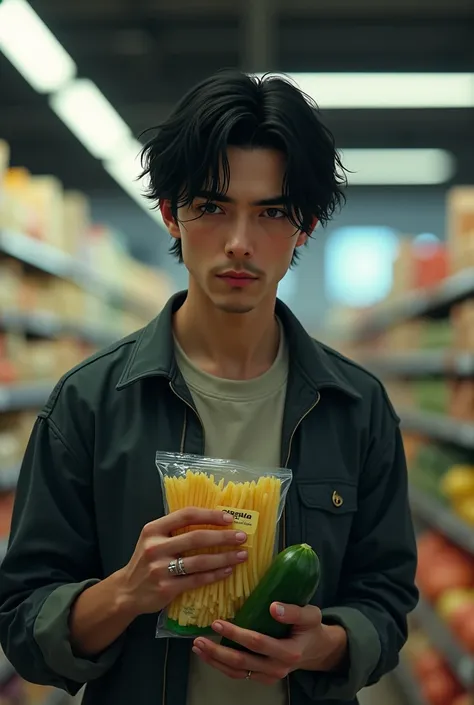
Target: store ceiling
[(144, 54)]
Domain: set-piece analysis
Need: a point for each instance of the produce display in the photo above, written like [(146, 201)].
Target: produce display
[(292, 578), (429, 314), (445, 577), (435, 680), (445, 474)]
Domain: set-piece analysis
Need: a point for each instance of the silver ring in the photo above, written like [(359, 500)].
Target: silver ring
[(173, 568), (181, 568), (248, 676)]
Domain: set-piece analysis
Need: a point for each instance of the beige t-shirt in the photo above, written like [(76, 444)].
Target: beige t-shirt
[(242, 421)]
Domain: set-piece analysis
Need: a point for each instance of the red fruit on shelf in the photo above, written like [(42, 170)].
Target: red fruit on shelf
[(450, 571), (440, 688), (461, 616), (430, 661)]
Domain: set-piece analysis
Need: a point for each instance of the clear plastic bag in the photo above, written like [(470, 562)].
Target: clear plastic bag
[(256, 497)]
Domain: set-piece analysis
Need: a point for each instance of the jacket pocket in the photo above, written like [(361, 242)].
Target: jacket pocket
[(337, 497), (327, 510)]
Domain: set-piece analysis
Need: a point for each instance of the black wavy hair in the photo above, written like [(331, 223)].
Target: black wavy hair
[(187, 154)]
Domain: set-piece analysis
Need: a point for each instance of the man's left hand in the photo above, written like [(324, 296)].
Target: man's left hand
[(312, 646)]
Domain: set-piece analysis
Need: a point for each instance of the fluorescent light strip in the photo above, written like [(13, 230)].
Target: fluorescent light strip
[(125, 169), (89, 115), (342, 91), (32, 48), (377, 167)]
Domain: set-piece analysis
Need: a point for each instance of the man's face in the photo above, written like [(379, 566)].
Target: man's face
[(239, 246)]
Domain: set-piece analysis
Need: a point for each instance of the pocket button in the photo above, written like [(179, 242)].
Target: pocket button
[(337, 500)]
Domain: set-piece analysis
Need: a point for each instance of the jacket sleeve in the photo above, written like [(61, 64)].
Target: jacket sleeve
[(52, 557), (377, 588)]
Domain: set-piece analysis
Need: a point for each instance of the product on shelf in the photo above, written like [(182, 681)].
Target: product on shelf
[(445, 576), (437, 683)]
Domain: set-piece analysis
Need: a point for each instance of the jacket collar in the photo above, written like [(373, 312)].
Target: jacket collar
[(153, 353)]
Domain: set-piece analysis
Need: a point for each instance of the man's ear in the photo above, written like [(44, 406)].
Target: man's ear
[(303, 237), (168, 218)]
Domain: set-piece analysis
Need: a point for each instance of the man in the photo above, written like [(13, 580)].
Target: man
[(242, 171)]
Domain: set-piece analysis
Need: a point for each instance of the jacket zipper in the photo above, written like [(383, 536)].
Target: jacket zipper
[(288, 692), (181, 450)]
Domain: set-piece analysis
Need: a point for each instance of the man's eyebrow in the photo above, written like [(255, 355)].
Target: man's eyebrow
[(278, 200)]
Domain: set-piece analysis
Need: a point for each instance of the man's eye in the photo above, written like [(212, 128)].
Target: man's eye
[(276, 213), (209, 208)]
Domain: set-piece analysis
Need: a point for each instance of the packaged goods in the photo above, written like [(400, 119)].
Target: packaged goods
[(255, 497)]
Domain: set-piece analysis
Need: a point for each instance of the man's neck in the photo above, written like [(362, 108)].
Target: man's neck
[(229, 345)]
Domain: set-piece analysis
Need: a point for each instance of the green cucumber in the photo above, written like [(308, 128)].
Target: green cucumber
[(292, 578)]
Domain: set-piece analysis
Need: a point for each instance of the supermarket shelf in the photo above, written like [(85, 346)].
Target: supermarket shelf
[(441, 518), (438, 427), (432, 303), (47, 325), (18, 397), (9, 478), (6, 670), (407, 683), (461, 662), (421, 363), (52, 261)]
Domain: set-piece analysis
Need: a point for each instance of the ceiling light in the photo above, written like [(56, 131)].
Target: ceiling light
[(377, 167), (387, 90), (125, 168), (30, 46), (90, 116)]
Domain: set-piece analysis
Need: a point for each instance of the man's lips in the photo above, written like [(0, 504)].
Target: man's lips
[(237, 279), (237, 275)]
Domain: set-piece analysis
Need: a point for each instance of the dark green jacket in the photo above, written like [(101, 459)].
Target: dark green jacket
[(89, 484)]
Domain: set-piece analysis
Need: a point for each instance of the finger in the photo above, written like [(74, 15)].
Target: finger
[(190, 516), (176, 585), (283, 650), (241, 662), (204, 538), (213, 561), (230, 673), (309, 616)]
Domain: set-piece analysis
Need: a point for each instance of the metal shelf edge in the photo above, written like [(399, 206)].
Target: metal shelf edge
[(18, 397), (443, 428), (440, 517), (53, 261), (417, 304)]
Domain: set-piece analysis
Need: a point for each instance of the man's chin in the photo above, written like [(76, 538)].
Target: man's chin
[(234, 307)]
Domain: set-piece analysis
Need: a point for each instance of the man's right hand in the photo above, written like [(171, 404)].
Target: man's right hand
[(146, 584)]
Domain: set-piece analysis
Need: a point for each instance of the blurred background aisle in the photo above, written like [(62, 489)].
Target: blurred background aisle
[(84, 261)]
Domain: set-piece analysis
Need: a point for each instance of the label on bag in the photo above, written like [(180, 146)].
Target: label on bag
[(244, 520)]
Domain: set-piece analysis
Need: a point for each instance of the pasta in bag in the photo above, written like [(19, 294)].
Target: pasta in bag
[(255, 497)]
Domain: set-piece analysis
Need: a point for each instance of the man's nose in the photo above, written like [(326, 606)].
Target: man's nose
[(239, 241)]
